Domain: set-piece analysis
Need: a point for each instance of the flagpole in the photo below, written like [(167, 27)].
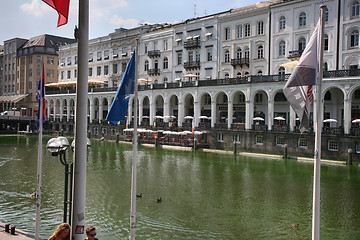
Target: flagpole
[(39, 166), (317, 151), (134, 158)]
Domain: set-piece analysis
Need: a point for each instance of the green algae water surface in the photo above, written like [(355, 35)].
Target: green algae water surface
[(205, 195)]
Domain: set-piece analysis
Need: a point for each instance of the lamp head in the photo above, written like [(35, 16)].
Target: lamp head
[(54, 146), (88, 144)]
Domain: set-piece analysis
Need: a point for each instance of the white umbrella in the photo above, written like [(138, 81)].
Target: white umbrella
[(128, 130), (291, 64), (160, 117), (356, 121), (258, 119), (330, 120), (188, 117), (145, 116), (279, 118), (185, 132), (190, 75), (204, 117)]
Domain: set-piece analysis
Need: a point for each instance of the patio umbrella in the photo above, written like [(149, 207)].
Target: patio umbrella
[(279, 118), (258, 119), (203, 117), (188, 117), (190, 75), (160, 117), (330, 120), (356, 121)]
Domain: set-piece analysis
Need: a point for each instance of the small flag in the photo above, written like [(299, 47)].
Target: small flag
[(62, 7), (298, 89), (40, 94), (120, 104)]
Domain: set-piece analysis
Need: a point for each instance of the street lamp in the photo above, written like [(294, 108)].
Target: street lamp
[(57, 147)]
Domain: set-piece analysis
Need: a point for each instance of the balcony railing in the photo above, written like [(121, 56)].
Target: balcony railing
[(154, 53), (270, 78), (194, 43), (240, 62), (192, 65), (154, 71)]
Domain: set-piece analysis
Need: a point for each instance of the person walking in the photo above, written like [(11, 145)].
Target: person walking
[(62, 232)]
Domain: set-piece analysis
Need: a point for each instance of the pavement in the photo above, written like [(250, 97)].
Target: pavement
[(19, 235)]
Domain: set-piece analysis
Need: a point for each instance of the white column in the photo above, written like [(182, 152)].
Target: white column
[(347, 115), (292, 121), (61, 109), (68, 110), (55, 110), (230, 114), (196, 113), (101, 108), (213, 113), (141, 110), (181, 113), (249, 114), (92, 110), (166, 109), (129, 113), (152, 112), (49, 109), (270, 114)]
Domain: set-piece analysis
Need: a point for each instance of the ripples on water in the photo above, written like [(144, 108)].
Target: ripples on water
[(205, 196)]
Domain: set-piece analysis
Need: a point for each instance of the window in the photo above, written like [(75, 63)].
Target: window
[(301, 44), (303, 143), (259, 139), (38, 59), (302, 19), (98, 71), (197, 56), (247, 30), (238, 53), (146, 48), (76, 60), (227, 33), (37, 73), (99, 55), (179, 58), (165, 80), (62, 75), (106, 54), (226, 76), (280, 141), (357, 147), (238, 75), (90, 57), (326, 42), (209, 54), (258, 98), (281, 71), (239, 31), (282, 49), (166, 63), (227, 56), (237, 138), (333, 145), (260, 52), (282, 23), (354, 39), (220, 137), (260, 28), (247, 53), (166, 45), (115, 70), (260, 72), (90, 72), (68, 74), (325, 66), (155, 45), (106, 70), (355, 9), (326, 15), (146, 65)]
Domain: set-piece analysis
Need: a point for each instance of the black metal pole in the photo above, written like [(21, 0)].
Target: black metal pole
[(66, 188)]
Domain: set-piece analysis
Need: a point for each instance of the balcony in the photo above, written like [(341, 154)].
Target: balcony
[(193, 43), (192, 65), (295, 54), (154, 53), (154, 71), (240, 62)]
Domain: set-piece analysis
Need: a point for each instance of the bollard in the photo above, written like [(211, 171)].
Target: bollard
[(117, 137), (12, 230), (234, 147), (350, 156), (7, 228), (285, 151)]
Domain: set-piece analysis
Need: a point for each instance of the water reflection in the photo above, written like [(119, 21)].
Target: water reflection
[(205, 196)]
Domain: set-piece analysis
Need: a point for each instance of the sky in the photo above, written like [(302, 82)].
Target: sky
[(30, 18)]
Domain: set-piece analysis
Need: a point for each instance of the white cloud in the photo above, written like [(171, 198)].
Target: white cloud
[(36, 8), (128, 23), (102, 8)]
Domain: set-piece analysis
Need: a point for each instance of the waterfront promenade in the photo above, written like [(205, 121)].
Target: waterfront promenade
[(19, 235)]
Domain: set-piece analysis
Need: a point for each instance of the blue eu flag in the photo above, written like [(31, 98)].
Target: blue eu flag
[(120, 104)]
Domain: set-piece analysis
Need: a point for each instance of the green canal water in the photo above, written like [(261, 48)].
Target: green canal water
[(205, 195)]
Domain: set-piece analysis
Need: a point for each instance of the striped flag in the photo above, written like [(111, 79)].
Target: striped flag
[(298, 89)]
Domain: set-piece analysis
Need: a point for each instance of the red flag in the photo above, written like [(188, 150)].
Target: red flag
[(62, 7)]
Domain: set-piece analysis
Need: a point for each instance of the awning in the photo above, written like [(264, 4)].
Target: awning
[(72, 83), (13, 98)]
